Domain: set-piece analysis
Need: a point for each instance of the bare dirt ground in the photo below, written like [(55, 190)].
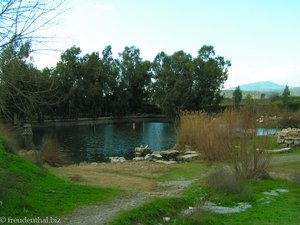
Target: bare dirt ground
[(129, 176)]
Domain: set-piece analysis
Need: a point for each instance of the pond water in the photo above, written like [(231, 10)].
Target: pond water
[(97, 143), (266, 131)]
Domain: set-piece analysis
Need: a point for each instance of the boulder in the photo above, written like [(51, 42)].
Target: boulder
[(156, 156), (138, 159), (168, 155), (142, 151), (190, 152), (117, 159), (187, 158), (165, 162), (149, 157)]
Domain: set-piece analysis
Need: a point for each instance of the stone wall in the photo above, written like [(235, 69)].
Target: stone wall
[(289, 137)]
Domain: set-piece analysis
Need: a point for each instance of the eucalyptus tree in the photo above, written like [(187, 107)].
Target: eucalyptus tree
[(210, 73), (186, 83), (67, 76), (173, 81), (134, 79)]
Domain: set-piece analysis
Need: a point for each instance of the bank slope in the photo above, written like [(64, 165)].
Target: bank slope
[(28, 190)]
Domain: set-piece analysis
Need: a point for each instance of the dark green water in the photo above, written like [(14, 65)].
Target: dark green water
[(97, 143)]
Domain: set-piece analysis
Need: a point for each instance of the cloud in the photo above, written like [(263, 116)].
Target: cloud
[(104, 6)]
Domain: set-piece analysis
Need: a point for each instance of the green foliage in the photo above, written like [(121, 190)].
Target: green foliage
[(285, 96), (94, 85), (28, 190), (237, 97), (186, 83)]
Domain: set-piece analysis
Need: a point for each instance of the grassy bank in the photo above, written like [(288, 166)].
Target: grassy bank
[(282, 209), (28, 190)]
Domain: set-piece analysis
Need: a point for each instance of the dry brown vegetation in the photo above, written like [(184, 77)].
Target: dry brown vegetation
[(229, 136), (12, 143), (130, 176), (50, 152)]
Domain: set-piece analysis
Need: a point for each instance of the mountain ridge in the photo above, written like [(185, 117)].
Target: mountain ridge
[(259, 86)]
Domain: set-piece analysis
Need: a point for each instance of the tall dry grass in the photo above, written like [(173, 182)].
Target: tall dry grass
[(50, 152), (228, 136), (12, 141)]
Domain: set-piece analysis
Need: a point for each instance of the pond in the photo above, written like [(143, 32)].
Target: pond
[(267, 131), (97, 143)]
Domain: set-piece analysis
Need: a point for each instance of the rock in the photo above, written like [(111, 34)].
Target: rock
[(165, 162), (94, 163), (117, 159), (289, 137), (168, 155), (187, 158), (297, 141), (190, 152), (138, 154), (142, 151), (149, 157), (282, 150), (138, 159), (156, 156)]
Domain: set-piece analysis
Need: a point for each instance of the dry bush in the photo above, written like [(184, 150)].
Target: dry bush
[(210, 137), (223, 180), (290, 119), (12, 142), (77, 178), (229, 136), (50, 152)]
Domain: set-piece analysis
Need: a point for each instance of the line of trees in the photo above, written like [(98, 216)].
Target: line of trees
[(94, 85)]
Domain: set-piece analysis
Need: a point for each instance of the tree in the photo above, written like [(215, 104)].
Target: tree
[(134, 79), (26, 21), (285, 97), (68, 75), (24, 89), (186, 83), (237, 97), (210, 73)]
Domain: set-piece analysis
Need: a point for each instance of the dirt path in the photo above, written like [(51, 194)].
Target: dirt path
[(138, 179), (275, 160), (103, 212)]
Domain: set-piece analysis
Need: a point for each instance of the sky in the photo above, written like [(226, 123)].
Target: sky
[(261, 38)]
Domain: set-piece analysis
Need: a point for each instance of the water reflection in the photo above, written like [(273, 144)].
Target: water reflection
[(96, 143)]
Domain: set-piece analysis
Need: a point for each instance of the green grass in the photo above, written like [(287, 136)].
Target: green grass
[(184, 172), (284, 208), (261, 142), (28, 190)]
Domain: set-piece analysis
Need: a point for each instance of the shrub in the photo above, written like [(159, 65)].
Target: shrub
[(11, 142), (290, 119), (228, 136), (223, 180), (50, 152)]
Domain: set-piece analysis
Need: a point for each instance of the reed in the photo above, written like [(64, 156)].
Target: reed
[(229, 136)]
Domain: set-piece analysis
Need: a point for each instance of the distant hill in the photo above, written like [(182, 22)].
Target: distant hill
[(257, 88), (260, 86)]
